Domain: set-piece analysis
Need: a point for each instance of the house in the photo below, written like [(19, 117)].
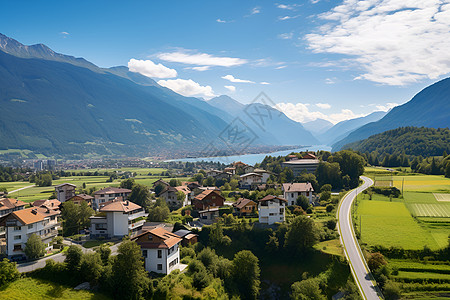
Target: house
[(265, 174), (78, 199), (209, 216), (291, 191), (8, 205), (3, 194), (212, 173), (244, 206), (201, 189), (207, 199), (191, 184), (169, 194), (160, 249), (119, 218), (108, 194), (309, 156), (52, 204), (250, 179), (160, 182), (231, 170), (271, 209), (223, 176), (291, 157), (188, 237), (21, 224), (65, 191), (238, 164), (248, 169), (301, 165), (187, 193)]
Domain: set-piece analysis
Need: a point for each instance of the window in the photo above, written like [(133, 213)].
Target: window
[(159, 253), (17, 247), (144, 253), (307, 193), (159, 267), (17, 228), (17, 237), (30, 226), (281, 210)]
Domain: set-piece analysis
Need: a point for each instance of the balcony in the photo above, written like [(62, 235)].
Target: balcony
[(137, 215), (136, 224)]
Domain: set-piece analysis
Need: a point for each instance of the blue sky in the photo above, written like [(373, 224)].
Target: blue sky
[(314, 58)]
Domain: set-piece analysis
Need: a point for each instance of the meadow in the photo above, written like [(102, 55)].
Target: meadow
[(30, 288)]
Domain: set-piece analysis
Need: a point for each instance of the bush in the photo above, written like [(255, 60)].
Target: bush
[(387, 191), (331, 224), (187, 252), (8, 272), (330, 207)]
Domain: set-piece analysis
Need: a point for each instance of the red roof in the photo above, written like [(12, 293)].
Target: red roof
[(112, 190), (271, 198), (169, 239), (9, 203)]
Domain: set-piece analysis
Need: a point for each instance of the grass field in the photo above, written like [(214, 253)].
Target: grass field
[(29, 288), (423, 183), (390, 224), (430, 210)]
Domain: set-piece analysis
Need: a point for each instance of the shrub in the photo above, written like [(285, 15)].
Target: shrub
[(8, 272)]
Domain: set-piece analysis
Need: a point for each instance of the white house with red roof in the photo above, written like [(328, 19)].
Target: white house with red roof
[(291, 191), (108, 194), (271, 209), (118, 218), (160, 249)]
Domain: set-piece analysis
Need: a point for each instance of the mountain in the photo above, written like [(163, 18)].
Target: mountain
[(269, 124), (56, 107), (318, 126), (429, 108), (342, 129), (408, 140)]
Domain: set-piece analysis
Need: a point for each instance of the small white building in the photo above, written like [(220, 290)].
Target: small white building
[(108, 194), (291, 191), (65, 191), (265, 174), (271, 209), (212, 173), (119, 218), (21, 224), (251, 178), (160, 249)]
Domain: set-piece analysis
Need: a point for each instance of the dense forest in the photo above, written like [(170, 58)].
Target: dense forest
[(407, 140)]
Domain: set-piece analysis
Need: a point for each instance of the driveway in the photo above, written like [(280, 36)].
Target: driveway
[(360, 271)]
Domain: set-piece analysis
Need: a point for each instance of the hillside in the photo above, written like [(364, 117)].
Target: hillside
[(270, 125), (409, 140), (429, 108), (318, 126), (343, 128)]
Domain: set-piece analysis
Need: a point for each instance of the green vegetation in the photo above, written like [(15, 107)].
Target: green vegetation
[(34, 247)]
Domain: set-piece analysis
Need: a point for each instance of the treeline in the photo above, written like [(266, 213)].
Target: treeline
[(12, 174), (412, 141)]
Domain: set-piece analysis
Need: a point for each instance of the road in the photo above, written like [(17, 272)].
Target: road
[(352, 251), (21, 189)]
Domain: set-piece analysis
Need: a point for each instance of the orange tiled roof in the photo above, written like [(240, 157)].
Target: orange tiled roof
[(120, 206), (9, 203)]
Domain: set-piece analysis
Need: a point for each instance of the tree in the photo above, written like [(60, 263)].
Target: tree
[(71, 215), (375, 261), (234, 183), (325, 196), (272, 244), (325, 187), (159, 211), (129, 277), (351, 164), (209, 181), (159, 188), (8, 272), (308, 289), (73, 258), (303, 201), (91, 267), (34, 247), (392, 290), (302, 235), (140, 195), (104, 251), (181, 196), (44, 180), (127, 183), (84, 213), (246, 274)]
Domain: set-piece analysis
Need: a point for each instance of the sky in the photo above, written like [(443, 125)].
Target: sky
[(326, 59)]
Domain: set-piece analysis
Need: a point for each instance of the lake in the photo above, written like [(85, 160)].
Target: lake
[(252, 159)]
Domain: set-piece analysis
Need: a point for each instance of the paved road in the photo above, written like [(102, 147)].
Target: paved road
[(351, 247), (21, 189)]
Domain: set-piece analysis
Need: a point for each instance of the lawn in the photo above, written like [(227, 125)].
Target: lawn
[(424, 183), (29, 288), (390, 224), (332, 247)]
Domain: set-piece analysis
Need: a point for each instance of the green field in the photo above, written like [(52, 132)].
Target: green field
[(29, 288)]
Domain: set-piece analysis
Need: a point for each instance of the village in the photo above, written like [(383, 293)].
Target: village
[(114, 216)]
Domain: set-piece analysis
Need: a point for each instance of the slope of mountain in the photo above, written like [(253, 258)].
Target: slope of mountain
[(270, 125), (429, 108), (318, 126), (59, 108), (409, 140), (342, 129)]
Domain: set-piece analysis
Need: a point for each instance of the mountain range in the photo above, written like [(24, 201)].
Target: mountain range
[(58, 104)]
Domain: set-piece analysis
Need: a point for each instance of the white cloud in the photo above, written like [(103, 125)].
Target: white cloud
[(64, 34), (280, 67), (202, 68), (264, 83), (330, 81), (287, 18), (288, 6), (201, 59), (232, 79), (314, 1), (286, 36), (187, 87), (300, 112), (387, 106), (394, 42), (231, 88), (323, 105), (256, 10), (220, 21), (150, 69)]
